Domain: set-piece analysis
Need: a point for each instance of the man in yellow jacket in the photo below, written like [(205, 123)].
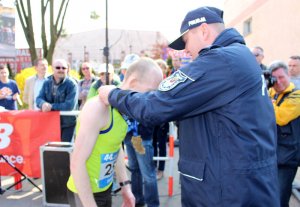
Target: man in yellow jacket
[(286, 101)]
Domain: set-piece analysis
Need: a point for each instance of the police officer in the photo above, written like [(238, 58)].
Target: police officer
[(227, 127)]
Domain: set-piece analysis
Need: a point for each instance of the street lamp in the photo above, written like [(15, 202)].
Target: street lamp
[(106, 48)]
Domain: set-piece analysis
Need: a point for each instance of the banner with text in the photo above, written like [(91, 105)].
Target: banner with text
[(21, 135)]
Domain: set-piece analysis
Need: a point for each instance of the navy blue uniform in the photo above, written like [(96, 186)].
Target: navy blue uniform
[(227, 125)]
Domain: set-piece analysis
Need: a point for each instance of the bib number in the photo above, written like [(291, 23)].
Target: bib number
[(107, 169)]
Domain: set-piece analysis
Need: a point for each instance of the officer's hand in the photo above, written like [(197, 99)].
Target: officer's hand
[(104, 92)]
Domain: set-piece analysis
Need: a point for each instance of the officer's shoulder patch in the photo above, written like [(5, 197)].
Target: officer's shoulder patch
[(172, 81)]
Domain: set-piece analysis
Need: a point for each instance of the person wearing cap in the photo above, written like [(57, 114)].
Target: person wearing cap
[(128, 60), (227, 127), (113, 80)]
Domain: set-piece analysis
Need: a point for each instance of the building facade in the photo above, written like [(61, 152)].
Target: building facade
[(271, 24), (88, 46)]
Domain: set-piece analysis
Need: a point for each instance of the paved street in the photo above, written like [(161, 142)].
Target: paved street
[(31, 197)]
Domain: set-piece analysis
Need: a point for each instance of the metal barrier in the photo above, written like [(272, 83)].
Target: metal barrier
[(172, 135), (170, 157), (69, 113)]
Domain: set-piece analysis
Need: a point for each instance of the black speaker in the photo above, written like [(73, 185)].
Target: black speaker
[(55, 162)]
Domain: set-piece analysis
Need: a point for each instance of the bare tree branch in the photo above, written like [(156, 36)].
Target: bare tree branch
[(55, 25), (63, 18), (26, 22)]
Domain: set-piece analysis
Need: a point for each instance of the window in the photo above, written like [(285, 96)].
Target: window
[(247, 27)]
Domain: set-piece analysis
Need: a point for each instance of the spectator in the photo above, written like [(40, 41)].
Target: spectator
[(160, 137), (128, 60), (227, 127), (176, 62), (160, 134), (258, 52), (102, 79), (164, 67), (85, 83), (9, 91), (286, 102), (34, 84), (294, 70), (95, 152), (138, 142), (59, 93)]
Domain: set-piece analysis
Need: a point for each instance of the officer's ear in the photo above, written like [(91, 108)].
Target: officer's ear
[(204, 29)]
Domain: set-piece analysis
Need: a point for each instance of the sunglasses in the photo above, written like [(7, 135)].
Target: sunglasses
[(59, 67), (85, 68)]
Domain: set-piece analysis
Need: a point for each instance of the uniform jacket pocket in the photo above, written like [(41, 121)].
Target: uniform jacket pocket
[(193, 170)]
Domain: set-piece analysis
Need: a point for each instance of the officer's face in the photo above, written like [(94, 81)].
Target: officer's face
[(194, 40), (283, 80)]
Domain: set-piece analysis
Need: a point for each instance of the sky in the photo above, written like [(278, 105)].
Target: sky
[(164, 16)]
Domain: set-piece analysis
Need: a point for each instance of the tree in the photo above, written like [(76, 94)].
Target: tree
[(55, 25), (94, 15)]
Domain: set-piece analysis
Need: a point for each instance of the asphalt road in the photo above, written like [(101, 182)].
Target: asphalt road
[(30, 196)]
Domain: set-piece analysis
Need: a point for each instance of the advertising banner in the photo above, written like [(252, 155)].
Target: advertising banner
[(21, 135)]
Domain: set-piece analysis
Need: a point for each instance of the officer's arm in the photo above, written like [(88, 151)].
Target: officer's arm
[(191, 91), (157, 107)]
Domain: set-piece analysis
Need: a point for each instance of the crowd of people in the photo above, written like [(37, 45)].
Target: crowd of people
[(60, 92), (238, 128)]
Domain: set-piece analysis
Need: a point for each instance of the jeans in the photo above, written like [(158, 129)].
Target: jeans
[(143, 172), (286, 175), (67, 133)]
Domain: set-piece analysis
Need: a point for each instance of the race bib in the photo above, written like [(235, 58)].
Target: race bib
[(107, 169)]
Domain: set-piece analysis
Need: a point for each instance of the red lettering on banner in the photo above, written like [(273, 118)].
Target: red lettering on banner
[(21, 135)]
